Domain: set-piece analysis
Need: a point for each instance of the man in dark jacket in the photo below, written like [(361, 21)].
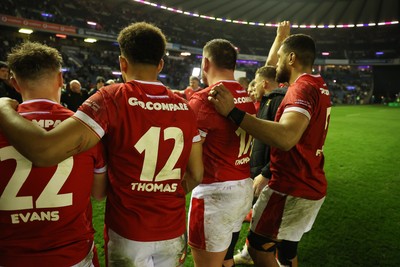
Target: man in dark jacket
[(271, 94), (73, 96)]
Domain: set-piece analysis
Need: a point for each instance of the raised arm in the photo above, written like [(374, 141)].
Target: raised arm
[(44, 148), (282, 32), (194, 170)]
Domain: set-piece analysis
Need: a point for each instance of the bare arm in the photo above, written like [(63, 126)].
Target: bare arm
[(194, 170), (282, 32), (283, 134), (99, 187), (44, 148)]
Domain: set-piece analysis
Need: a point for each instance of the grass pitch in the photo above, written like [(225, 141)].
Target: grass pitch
[(359, 223)]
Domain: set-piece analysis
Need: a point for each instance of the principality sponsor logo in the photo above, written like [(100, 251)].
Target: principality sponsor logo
[(157, 105)]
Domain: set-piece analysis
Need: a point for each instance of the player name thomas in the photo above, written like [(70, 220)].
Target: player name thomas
[(153, 187), (35, 217), (149, 105)]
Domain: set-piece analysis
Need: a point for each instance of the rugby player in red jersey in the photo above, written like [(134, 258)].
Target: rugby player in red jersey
[(288, 206), (46, 213), (224, 197), (154, 154)]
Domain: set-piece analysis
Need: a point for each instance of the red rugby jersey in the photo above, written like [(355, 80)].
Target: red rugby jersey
[(148, 134), (299, 172), (226, 149), (46, 213)]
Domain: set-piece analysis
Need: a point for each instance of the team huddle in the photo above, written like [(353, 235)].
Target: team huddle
[(143, 148)]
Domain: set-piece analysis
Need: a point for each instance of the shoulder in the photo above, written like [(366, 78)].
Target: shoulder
[(201, 95)]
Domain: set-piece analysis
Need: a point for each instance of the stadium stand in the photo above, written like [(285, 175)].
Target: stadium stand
[(354, 49)]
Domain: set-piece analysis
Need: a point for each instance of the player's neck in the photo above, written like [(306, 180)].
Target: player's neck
[(297, 72), (142, 72), (225, 75), (40, 94)]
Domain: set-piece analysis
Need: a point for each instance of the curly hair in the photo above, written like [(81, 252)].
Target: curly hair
[(32, 60), (143, 43)]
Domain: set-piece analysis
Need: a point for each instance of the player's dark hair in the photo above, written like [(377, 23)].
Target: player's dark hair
[(303, 46), (222, 53), (267, 72), (31, 60), (142, 43)]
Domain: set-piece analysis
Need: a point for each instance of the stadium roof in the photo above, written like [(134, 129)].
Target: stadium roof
[(269, 12)]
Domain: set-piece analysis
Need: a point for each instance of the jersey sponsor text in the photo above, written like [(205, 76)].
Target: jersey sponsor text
[(241, 100), (47, 123), (157, 105)]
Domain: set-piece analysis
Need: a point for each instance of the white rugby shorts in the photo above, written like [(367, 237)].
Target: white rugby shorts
[(126, 252), (216, 211), (283, 217), (88, 260)]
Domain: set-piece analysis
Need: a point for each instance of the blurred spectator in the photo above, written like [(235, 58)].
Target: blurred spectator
[(194, 86), (74, 95), (244, 82), (6, 89), (100, 82)]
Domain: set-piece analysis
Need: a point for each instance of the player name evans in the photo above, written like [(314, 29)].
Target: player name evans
[(35, 216)]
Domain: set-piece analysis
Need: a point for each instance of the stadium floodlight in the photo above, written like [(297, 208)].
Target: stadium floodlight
[(196, 71), (91, 23), (239, 21), (90, 40), (239, 73), (25, 31)]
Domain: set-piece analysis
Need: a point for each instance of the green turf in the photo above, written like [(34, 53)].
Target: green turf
[(359, 223)]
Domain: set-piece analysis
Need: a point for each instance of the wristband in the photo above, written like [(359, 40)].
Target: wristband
[(236, 115)]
